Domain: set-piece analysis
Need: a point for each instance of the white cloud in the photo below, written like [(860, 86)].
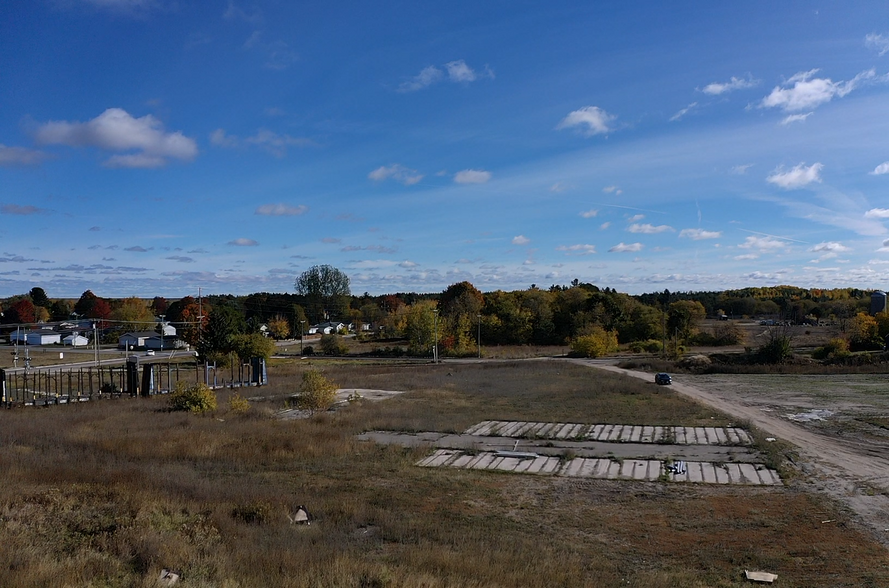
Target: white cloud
[(635, 218), (683, 112), (626, 248), (281, 210), (881, 169), (648, 228), (877, 213), (746, 256), (792, 118), (458, 71), (12, 156), (804, 92), (580, 249), (612, 189), (589, 213), (558, 187), (763, 243), (700, 234), (243, 242), (885, 246), (426, 77), (604, 226), (276, 144), (472, 176), (797, 177), (717, 88), (740, 170), (877, 42), (829, 249), (520, 240), (397, 172), (595, 120), (220, 139), (116, 130)]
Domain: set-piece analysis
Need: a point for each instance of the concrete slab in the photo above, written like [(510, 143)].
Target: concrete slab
[(679, 432), (521, 431), (640, 469), (647, 435), (523, 466), (495, 463), (546, 429), (588, 469), (626, 468), (734, 473), (484, 462), (576, 432), (537, 464), (708, 472), (429, 459), (613, 470), (767, 476), (658, 435), (573, 467), (633, 435), (732, 435), (721, 474), (482, 428), (563, 431), (551, 465), (655, 469), (606, 432), (595, 431), (461, 461), (745, 437), (712, 437), (510, 428), (615, 433), (694, 472), (600, 468), (721, 436), (509, 464), (535, 430), (680, 477), (748, 471)]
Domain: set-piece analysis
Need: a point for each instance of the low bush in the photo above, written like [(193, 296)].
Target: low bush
[(316, 392), (198, 398)]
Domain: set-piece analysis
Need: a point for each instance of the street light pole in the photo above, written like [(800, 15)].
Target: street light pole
[(478, 339), (435, 345), (302, 333), (96, 342)]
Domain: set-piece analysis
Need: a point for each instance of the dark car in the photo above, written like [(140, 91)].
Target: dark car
[(663, 379)]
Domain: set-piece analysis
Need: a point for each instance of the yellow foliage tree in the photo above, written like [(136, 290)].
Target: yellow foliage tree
[(596, 343), (316, 392)]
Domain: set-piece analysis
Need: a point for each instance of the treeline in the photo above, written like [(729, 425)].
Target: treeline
[(459, 316)]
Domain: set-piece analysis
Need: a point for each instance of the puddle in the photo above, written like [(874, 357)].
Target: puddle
[(812, 415)]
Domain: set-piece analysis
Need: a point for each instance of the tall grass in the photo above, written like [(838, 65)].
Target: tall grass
[(107, 494)]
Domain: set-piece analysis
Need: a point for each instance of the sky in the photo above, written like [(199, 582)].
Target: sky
[(155, 147)]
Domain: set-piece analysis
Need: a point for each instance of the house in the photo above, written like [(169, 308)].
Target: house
[(168, 329), (328, 328), (38, 337), (135, 339), (75, 340)]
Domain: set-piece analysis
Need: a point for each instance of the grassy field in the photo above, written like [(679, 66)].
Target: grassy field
[(108, 493)]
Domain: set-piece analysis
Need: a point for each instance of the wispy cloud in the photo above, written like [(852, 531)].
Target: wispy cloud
[(18, 156), (21, 210), (181, 259), (700, 234), (592, 120), (878, 42), (472, 176), (520, 240), (626, 248), (829, 249), (397, 172), (797, 177), (281, 210), (242, 242), (579, 249), (612, 190), (648, 229), (589, 213), (717, 88), (763, 243), (457, 71), (275, 143), (803, 91), (683, 112), (116, 130), (792, 118), (741, 170), (219, 138)]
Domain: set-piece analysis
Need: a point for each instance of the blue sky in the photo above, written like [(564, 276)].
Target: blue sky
[(152, 147)]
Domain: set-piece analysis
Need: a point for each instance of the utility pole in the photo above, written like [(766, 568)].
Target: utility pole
[(435, 345), (302, 332), (96, 341), (478, 339)]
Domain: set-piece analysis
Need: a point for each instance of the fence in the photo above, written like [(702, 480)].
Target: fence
[(62, 385)]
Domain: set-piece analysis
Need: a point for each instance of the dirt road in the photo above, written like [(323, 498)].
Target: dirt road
[(846, 471)]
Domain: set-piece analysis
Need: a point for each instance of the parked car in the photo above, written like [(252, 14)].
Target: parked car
[(663, 379)]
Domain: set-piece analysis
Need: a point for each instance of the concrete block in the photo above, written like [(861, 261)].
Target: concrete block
[(523, 466), (587, 470), (576, 431), (427, 461), (748, 471), (613, 470), (481, 429), (508, 464), (694, 472), (746, 439), (495, 463), (484, 462), (615, 433), (526, 426), (537, 464), (721, 474), (648, 435), (734, 473), (563, 431), (546, 429), (721, 436), (510, 428), (551, 465), (595, 431), (536, 428), (733, 435), (708, 472), (640, 469), (461, 461), (606, 432), (601, 468), (573, 467), (681, 438), (658, 435)]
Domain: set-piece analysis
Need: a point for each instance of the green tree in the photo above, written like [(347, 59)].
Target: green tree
[(326, 290), (38, 297), (683, 317), (217, 341), (134, 313), (248, 346)]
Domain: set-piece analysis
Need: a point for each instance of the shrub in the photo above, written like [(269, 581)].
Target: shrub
[(198, 398), (333, 345), (238, 404), (316, 392), (777, 350), (837, 348), (597, 343), (309, 350), (650, 346)]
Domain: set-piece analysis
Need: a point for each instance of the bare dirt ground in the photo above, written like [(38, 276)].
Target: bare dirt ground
[(853, 469)]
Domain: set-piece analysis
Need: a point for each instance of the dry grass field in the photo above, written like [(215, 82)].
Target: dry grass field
[(109, 493)]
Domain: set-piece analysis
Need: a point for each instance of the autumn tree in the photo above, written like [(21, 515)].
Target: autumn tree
[(460, 305), (279, 327), (134, 314), (864, 331), (21, 311), (186, 315), (683, 317)]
